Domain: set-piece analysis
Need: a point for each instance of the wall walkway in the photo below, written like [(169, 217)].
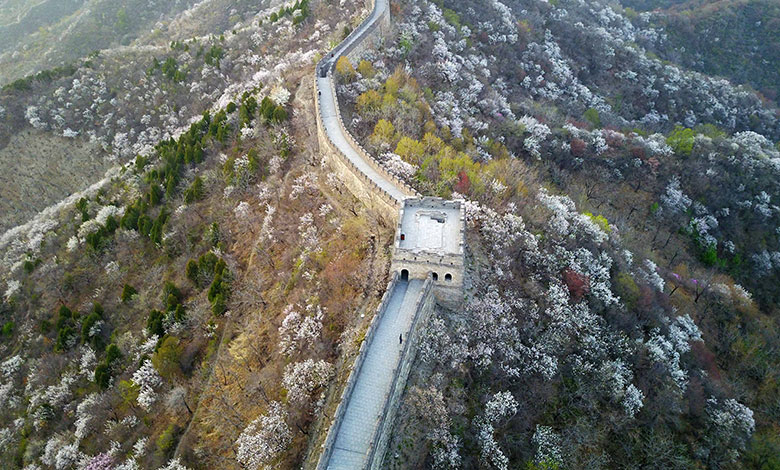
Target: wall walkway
[(375, 377), (362, 424)]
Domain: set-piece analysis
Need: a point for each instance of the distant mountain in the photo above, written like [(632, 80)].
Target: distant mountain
[(49, 33)]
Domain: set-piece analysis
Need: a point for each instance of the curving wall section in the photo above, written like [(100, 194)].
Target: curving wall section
[(361, 426)]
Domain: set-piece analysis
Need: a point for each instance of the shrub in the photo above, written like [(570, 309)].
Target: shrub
[(128, 390), (410, 150), (369, 102), (578, 147), (170, 70), (219, 291), (543, 465), (601, 221), (112, 353), (279, 115), (155, 323), (219, 306), (207, 263), (166, 358), (366, 69), (592, 116), (246, 111), (65, 329), (271, 112), (166, 442), (171, 294), (627, 289), (155, 195), (451, 17), (384, 132), (215, 288), (64, 337), (29, 266), (87, 326), (681, 140), (192, 271), (578, 284), (128, 292), (344, 69), (65, 316), (103, 376), (710, 130), (178, 313), (654, 207), (214, 234), (8, 328)]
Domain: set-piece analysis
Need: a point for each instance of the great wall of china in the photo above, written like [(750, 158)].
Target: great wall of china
[(427, 268)]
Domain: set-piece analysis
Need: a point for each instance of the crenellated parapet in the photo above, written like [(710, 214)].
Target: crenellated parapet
[(429, 240), (427, 268)]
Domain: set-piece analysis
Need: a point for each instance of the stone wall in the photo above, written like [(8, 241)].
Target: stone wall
[(327, 447), (372, 38), (356, 181), (448, 291), (360, 185), (423, 310)]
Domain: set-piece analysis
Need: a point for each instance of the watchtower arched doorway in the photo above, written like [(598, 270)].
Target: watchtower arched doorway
[(435, 276), (448, 277), (404, 274)]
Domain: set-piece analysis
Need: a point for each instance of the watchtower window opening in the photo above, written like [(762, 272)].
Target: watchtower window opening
[(404, 274), (435, 276), (403, 236), (448, 277)]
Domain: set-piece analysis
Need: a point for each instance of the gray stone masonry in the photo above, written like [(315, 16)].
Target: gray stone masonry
[(429, 240), (427, 267)]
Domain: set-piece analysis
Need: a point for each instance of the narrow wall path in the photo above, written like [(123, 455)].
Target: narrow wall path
[(330, 121), (358, 434), (357, 429)]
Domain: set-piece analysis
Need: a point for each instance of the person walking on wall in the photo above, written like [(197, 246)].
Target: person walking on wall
[(401, 338)]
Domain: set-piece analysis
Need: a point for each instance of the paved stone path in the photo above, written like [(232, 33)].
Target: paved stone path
[(379, 7), (375, 379), (330, 119), (331, 123)]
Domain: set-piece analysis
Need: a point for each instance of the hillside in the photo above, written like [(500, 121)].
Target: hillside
[(737, 40), (623, 238), (151, 319), (121, 101), (186, 283)]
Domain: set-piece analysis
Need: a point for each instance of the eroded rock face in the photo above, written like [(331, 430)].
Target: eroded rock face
[(38, 169)]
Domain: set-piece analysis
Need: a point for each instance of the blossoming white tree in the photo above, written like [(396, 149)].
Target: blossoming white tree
[(147, 379), (264, 439)]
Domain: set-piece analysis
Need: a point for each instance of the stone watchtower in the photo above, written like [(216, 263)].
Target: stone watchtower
[(429, 239)]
